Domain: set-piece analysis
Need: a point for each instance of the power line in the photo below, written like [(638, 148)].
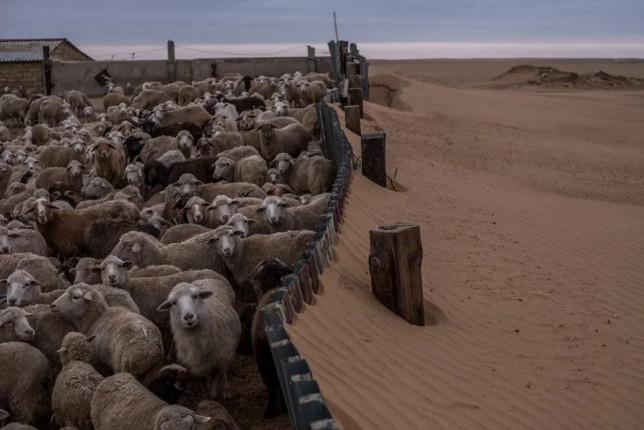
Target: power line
[(239, 53)]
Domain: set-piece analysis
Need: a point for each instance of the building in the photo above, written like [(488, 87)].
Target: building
[(21, 61)]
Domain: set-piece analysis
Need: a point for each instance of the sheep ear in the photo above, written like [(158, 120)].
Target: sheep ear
[(72, 271), (285, 204), (91, 338), (128, 264), (88, 296), (272, 163), (136, 248), (211, 240), (238, 233), (3, 283), (204, 294), (164, 307), (61, 350), (252, 221), (96, 270), (260, 209), (200, 419)]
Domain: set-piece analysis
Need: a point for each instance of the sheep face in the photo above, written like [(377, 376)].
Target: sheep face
[(240, 224), (246, 121), (134, 174), (226, 241), (274, 176), (194, 210), (268, 132), (177, 417), (19, 157), (73, 303), (224, 169), (75, 169), (5, 239), (223, 208), (17, 318), (273, 208), (31, 164), (104, 149), (185, 141), (185, 303), (41, 207), (280, 109), (129, 249), (7, 157), (78, 145), (97, 188), (187, 185), (282, 162), (22, 288), (113, 271)]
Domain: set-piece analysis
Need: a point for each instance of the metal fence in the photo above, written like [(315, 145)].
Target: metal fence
[(304, 400)]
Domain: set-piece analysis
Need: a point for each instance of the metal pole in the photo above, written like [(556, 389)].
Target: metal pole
[(335, 23)]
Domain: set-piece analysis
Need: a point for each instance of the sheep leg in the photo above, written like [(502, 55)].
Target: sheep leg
[(211, 385), (225, 386)]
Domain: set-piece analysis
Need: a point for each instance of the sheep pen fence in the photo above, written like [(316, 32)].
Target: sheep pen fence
[(302, 394)]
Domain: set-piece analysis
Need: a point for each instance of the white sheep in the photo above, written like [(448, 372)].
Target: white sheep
[(206, 330), (125, 341), (306, 174), (76, 383), (122, 403)]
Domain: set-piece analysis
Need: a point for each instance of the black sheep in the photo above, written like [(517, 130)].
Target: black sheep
[(246, 103), (103, 235)]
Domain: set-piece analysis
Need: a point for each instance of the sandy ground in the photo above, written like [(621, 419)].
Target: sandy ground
[(531, 212)]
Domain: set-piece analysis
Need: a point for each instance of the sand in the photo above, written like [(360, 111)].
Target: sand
[(531, 212)]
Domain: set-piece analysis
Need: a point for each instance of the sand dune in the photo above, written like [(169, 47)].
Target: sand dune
[(531, 212)]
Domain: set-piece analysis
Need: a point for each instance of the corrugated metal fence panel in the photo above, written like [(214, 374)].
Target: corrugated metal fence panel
[(306, 406), (20, 51)]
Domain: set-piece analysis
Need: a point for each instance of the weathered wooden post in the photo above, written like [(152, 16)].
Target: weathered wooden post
[(310, 62), (395, 265), (172, 66), (353, 49), (373, 158), (343, 45), (355, 98), (352, 119), (355, 81), (364, 72), (47, 66)]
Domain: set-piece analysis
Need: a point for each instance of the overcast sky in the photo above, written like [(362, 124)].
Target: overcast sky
[(150, 23)]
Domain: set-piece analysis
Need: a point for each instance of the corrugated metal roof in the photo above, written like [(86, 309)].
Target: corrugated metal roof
[(18, 51)]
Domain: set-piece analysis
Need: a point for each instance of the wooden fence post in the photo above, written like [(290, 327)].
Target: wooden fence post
[(355, 98), (352, 119), (374, 165), (395, 265), (355, 81), (47, 66), (172, 65), (311, 59)]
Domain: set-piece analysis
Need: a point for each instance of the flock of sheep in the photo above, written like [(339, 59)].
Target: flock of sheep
[(137, 244)]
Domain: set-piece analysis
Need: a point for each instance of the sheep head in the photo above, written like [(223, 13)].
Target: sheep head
[(42, 208), (224, 207), (134, 174), (246, 121), (226, 241), (194, 210), (17, 318), (185, 141), (76, 301), (186, 186), (224, 169), (22, 288), (76, 346), (131, 247), (184, 303), (75, 169), (282, 162), (104, 148), (241, 224), (273, 209), (113, 271), (267, 131)]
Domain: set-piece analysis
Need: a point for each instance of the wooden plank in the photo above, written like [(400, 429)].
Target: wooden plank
[(47, 66), (355, 81), (395, 265), (374, 165), (172, 65), (310, 62), (355, 98), (352, 118)]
